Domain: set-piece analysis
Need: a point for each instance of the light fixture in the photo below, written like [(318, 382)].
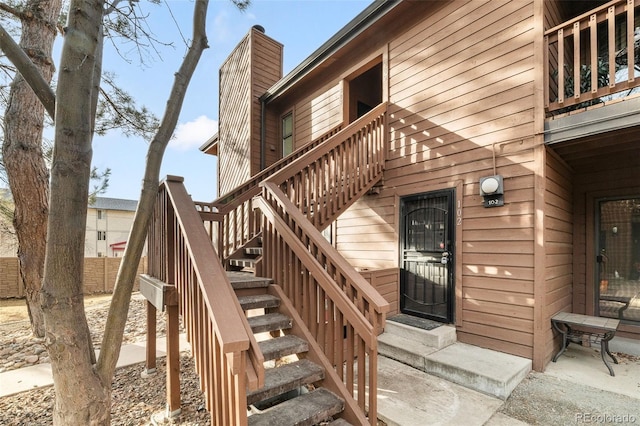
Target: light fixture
[(614, 230), (491, 189), (491, 185)]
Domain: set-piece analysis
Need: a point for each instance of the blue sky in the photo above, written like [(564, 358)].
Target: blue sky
[(300, 25)]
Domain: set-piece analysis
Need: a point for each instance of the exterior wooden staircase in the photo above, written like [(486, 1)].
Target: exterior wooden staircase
[(314, 306), (292, 393)]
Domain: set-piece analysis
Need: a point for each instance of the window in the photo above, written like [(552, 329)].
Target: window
[(102, 235), (287, 134), (100, 214), (100, 254)]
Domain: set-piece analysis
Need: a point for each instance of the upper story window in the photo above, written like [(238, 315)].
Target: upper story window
[(102, 235), (100, 214), (287, 134)]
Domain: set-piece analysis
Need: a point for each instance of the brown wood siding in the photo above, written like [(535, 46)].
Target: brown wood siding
[(234, 119), (558, 243), (461, 91), (253, 67), (317, 114), (386, 282), (266, 70)]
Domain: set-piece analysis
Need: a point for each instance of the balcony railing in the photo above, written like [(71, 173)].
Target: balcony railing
[(593, 58)]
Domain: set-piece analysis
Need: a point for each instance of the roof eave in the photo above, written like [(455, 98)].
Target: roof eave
[(364, 20)]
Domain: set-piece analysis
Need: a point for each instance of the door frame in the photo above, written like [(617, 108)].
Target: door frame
[(419, 188)]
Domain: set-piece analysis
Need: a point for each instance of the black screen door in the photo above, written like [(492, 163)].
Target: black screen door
[(427, 257)]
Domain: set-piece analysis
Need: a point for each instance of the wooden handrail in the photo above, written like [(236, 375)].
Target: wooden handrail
[(332, 176), (579, 72), (318, 271), (362, 289), (227, 357), (323, 287)]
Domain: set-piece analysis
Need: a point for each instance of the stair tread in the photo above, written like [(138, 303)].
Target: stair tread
[(285, 378), (243, 261), (258, 301), (282, 346), (307, 409), (240, 280), (269, 322)]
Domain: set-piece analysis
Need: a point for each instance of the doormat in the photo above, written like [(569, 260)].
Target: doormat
[(411, 321)]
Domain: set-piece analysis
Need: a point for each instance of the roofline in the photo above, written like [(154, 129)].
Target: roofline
[(356, 26), (209, 143)]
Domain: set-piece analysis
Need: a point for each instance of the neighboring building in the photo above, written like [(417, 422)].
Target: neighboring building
[(501, 203), (109, 222)]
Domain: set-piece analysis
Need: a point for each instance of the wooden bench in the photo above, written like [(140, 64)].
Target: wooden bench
[(579, 328)]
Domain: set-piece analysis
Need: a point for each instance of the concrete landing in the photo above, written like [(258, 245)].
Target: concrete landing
[(408, 397), (436, 352), (490, 372)]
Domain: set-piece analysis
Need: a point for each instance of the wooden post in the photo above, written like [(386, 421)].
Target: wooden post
[(151, 339), (173, 362)]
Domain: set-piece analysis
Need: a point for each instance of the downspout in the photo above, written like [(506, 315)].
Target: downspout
[(262, 135)]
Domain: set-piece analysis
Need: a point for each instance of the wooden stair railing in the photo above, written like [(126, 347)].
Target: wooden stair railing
[(335, 174), (227, 356), (342, 311), (232, 220)]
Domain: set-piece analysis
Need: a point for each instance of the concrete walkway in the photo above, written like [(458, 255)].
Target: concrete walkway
[(407, 396), (39, 375)]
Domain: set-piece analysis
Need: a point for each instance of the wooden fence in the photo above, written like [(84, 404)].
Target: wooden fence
[(99, 275)]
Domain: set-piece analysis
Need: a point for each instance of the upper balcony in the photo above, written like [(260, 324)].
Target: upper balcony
[(593, 60)]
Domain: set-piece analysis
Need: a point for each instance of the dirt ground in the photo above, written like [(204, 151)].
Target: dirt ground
[(13, 310)]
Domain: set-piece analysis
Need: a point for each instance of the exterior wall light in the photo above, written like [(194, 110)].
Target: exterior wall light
[(492, 190)]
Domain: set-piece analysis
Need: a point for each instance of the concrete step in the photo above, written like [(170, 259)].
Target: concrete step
[(285, 378), (490, 372), (244, 280), (282, 346), (269, 322), (307, 409), (243, 262), (437, 338), (406, 351), (258, 301)]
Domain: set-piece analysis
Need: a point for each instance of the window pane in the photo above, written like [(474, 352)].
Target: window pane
[(287, 146)]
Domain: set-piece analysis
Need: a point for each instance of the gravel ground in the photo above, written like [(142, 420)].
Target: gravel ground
[(135, 399), (545, 400)]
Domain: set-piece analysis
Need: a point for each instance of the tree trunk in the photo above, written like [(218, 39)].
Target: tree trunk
[(81, 397), (22, 152), (114, 329)]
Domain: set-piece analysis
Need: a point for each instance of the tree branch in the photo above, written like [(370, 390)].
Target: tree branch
[(29, 71), (112, 339)]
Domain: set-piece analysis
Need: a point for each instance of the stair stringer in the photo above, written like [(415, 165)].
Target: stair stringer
[(352, 412)]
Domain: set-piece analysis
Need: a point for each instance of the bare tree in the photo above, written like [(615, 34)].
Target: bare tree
[(82, 387), (23, 156)]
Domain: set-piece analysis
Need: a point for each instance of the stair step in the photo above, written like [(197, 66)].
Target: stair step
[(269, 322), (286, 378), (282, 346), (258, 301), (490, 372), (407, 351), (307, 409), (241, 280), (438, 337), (243, 262)]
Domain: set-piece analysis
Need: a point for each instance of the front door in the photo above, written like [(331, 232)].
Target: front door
[(427, 255)]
